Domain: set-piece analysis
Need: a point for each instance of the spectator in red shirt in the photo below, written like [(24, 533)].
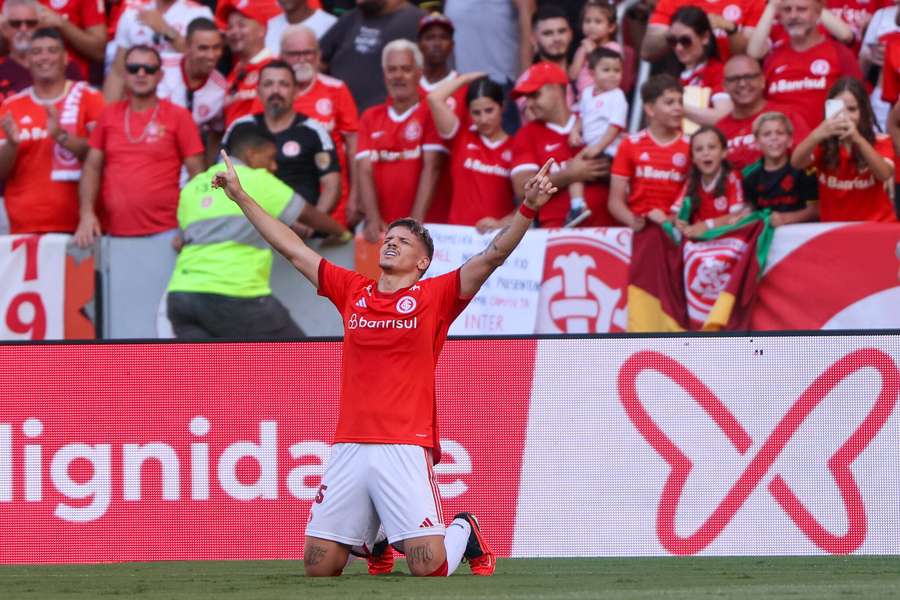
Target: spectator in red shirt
[(801, 69), (480, 156), (43, 140), (650, 166), (246, 36), (732, 20), (400, 154), (137, 151), (82, 24), (745, 84), (327, 100), (690, 37), (20, 19), (851, 159), (547, 136)]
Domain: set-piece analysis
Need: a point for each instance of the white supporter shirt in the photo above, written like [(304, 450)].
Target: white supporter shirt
[(320, 22), (207, 101), (131, 31), (599, 112)]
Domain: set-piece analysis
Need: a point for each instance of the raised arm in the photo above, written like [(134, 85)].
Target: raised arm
[(445, 119), (276, 233), (473, 274)]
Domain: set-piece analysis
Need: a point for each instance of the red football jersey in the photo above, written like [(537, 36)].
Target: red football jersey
[(37, 200), (390, 352), (710, 206), (745, 13), (856, 14), (800, 80), (480, 170), (242, 83), (536, 142), (848, 194), (742, 148), (395, 144), (142, 166), (655, 172)]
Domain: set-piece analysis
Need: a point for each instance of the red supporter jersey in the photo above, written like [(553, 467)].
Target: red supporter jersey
[(536, 142), (890, 83), (707, 205), (742, 148), (745, 13), (480, 172), (395, 144), (390, 352), (856, 14), (456, 102), (142, 166), (242, 83), (328, 101), (800, 80), (848, 194), (42, 187), (655, 172)]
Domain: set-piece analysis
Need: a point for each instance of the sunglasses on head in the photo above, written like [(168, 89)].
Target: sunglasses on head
[(18, 23), (134, 69), (679, 40)]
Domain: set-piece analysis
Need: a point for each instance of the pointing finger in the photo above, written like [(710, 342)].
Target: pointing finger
[(545, 168), (227, 160)]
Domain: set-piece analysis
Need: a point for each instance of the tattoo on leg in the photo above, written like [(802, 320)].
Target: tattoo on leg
[(419, 554), (313, 555)]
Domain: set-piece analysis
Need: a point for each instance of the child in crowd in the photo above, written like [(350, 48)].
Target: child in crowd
[(712, 195), (603, 111), (598, 24), (771, 182), (650, 166), (852, 159)]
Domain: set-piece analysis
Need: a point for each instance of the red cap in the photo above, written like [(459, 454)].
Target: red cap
[(435, 18), (537, 76), (258, 10)]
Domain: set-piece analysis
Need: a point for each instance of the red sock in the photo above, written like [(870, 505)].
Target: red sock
[(441, 571)]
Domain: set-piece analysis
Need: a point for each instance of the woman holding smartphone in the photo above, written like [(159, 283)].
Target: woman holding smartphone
[(852, 160)]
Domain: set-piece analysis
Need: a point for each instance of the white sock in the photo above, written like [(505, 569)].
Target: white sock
[(455, 540)]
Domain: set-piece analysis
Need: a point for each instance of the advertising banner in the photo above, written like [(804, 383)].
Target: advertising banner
[(562, 447)]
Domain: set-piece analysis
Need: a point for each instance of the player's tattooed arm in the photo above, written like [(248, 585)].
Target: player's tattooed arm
[(538, 191)]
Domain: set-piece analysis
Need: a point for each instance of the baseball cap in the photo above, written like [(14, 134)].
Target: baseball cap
[(258, 10), (537, 76), (435, 18)]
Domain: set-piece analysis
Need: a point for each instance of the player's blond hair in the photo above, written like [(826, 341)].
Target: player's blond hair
[(772, 116)]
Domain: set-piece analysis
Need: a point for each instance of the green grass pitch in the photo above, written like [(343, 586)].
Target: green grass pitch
[(819, 578)]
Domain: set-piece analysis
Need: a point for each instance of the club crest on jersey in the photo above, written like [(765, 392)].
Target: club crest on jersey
[(732, 12), (406, 305), (721, 203), (252, 78), (819, 67), (507, 155), (324, 106), (679, 159), (202, 111), (290, 149), (413, 131)]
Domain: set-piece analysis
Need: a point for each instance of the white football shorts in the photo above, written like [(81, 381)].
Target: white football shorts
[(367, 485)]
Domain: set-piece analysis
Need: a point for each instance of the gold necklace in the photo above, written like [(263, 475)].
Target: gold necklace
[(143, 135)]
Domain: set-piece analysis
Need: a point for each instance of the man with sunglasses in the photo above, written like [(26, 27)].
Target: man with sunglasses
[(745, 84), (18, 23), (137, 151), (43, 138)]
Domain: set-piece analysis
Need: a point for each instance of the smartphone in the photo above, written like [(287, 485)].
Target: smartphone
[(833, 106)]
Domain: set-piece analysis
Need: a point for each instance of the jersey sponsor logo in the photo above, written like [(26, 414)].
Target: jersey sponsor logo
[(733, 13), (413, 131), (406, 305), (391, 156), (426, 523), (360, 322), (820, 67), (846, 185), (324, 106), (739, 141), (551, 147), (650, 172), (361, 303), (679, 159), (473, 164), (290, 149), (807, 83)]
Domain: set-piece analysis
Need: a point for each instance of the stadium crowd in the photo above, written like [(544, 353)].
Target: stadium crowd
[(382, 109)]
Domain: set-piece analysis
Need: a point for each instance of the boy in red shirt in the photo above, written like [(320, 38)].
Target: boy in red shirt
[(650, 167)]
